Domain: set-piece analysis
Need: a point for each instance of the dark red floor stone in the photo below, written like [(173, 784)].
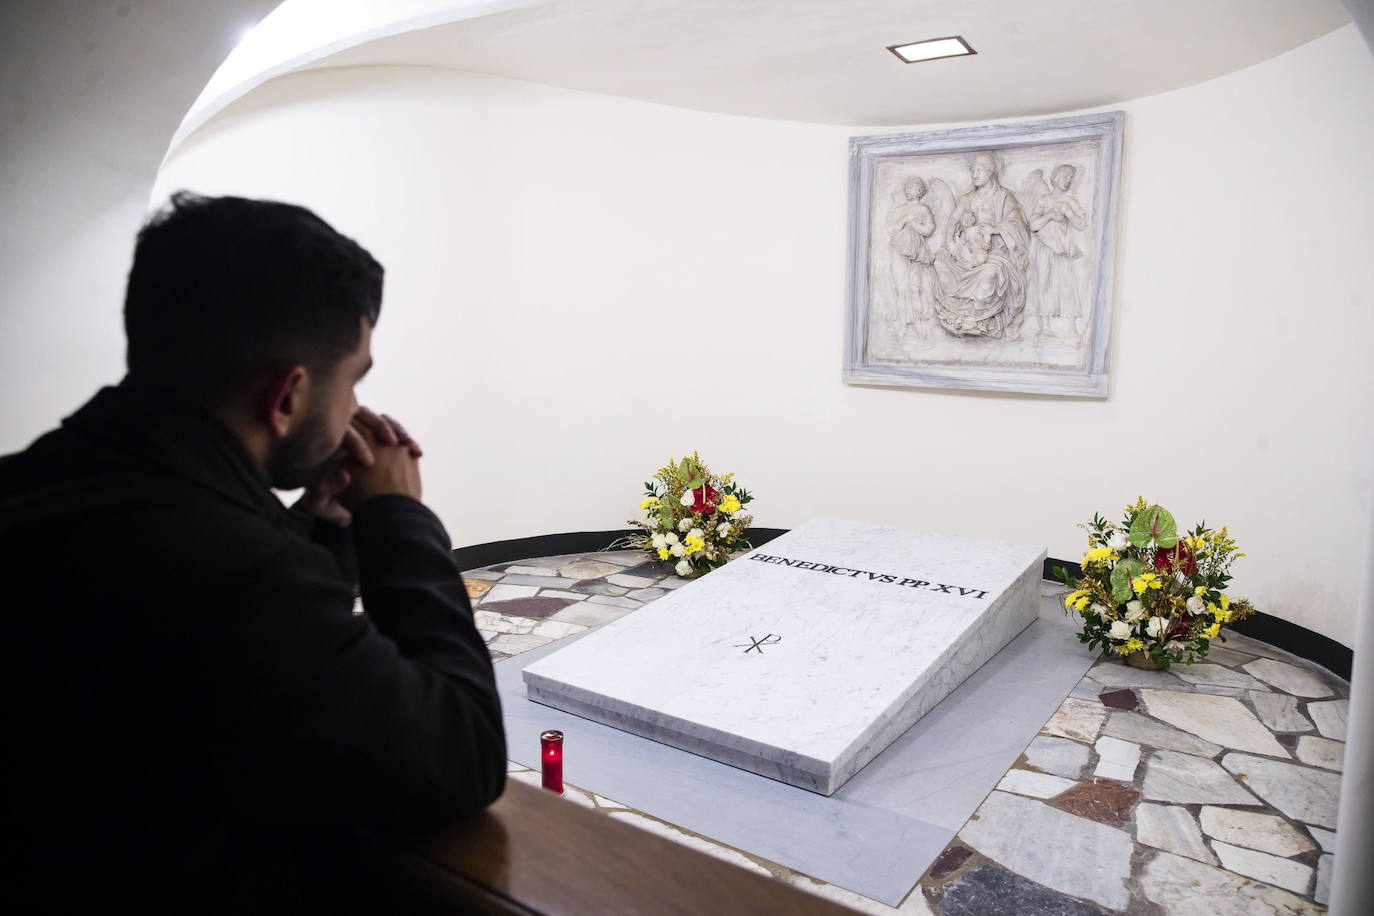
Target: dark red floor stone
[(1118, 699), (949, 861), (526, 607), (1101, 800), (1288, 741)]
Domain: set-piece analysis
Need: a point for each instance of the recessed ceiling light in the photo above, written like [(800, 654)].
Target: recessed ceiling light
[(932, 49)]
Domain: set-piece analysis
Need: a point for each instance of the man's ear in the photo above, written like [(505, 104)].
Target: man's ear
[(285, 400)]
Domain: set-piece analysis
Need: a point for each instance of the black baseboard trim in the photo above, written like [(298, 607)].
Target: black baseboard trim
[(1283, 634)]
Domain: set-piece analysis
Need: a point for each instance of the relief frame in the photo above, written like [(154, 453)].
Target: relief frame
[(982, 257)]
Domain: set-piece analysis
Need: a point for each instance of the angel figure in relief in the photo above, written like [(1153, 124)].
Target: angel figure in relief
[(909, 229), (1056, 218), (981, 292)]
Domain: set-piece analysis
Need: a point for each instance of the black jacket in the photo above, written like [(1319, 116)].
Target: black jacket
[(184, 671)]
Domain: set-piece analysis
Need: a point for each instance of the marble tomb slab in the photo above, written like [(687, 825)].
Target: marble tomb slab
[(803, 660)]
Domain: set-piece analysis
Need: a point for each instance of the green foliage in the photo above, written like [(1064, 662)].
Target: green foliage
[(1154, 526), (1122, 574)]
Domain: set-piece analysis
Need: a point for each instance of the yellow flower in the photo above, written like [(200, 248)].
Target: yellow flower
[(1134, 645), (663, 553), (1212, 631), (1081, 603), (649, 501), (1200, 590), (1074, 596), (1226, 602), (1098, 554), (730, 503), (694, 544), (1144, 582)]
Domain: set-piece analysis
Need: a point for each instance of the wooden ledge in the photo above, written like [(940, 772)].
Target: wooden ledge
[(532, 852)]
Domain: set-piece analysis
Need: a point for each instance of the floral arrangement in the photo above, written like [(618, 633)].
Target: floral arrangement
[(1145, 589), (692, 515)]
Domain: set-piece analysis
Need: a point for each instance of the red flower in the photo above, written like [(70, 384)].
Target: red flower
[(1166, 560), (702, 499)]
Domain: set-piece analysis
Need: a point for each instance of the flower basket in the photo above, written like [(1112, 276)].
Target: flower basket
[(693, 519), (1150, 595)]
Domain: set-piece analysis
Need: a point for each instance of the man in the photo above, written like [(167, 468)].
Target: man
[(194, 710)]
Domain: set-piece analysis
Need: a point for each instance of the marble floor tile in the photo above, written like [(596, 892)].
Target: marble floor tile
[(476, 588), (1133, 726), (1066, 853), (690, 840), (1116, 759), (625, 580), (621, 558), (1278, 711), (1034, 785), (1077, 719), (1289, 678), (590, 615), (1222, 720), (1203, 673), (1115, 673), (597, 587), (494, 623), (647, 594), (615, 601), (539, 581), (672, 582), (515, 643), (504, 592), (483, 574), (1086, 690), (1330, 716), (1264, 832), (556, 629), (1326, 839), (1322, 893), (1284, 873), (541, 571), (1103, 800), (915, 903), (1225, 656), (1302, 793), (1321, 752), (1182, 887), (1173, 829), (1058, 756), (1253, 646), (948, 862), (1187, 780), (1118, 699), (588, 569), (988, 889), (557, 593), (525, 607)]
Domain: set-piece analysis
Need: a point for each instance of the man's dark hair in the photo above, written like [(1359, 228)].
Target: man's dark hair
[(223, 288)]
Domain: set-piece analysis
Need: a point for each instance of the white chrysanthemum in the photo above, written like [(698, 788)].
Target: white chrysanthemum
[(1134, 611), (685, 524), (677, 550), (671, 537), (1156, 626), (683, 568), (1196, 605), (688, 497), (658, 541), (1121, 630)]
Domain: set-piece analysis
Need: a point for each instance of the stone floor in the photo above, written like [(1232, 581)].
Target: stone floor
[(1207, 789)]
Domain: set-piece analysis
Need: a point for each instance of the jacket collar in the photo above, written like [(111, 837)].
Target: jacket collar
[(159, 427)]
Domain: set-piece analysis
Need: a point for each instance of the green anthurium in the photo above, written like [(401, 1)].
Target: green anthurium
[(1122, 574), (1154, 525)]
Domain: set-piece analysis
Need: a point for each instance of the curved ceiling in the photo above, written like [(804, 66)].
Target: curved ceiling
[(825, 61)]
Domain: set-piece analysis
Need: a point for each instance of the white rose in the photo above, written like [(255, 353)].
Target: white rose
[(688, 497), (658, 541), (1156, 626), (723, 529), (676, 550), (683, 568), (695, 533), (1196, 605), (1134, 611), (671, 537), (1175, 646), (684, 524), (1118, 541), (1120, 630)]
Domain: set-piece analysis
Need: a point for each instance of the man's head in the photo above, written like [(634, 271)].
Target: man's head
[(1062, 176), (914, 188), (984, 168), (258, 310)]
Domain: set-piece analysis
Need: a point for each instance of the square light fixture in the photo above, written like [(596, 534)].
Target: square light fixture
[(932, 49)]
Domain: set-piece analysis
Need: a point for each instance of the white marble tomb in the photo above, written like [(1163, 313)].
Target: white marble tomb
[(804, 659)]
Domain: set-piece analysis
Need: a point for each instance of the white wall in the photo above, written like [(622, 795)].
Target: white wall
[(581, 287)]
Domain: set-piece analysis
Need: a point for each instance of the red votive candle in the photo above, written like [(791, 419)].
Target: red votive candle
[(551, 760)]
